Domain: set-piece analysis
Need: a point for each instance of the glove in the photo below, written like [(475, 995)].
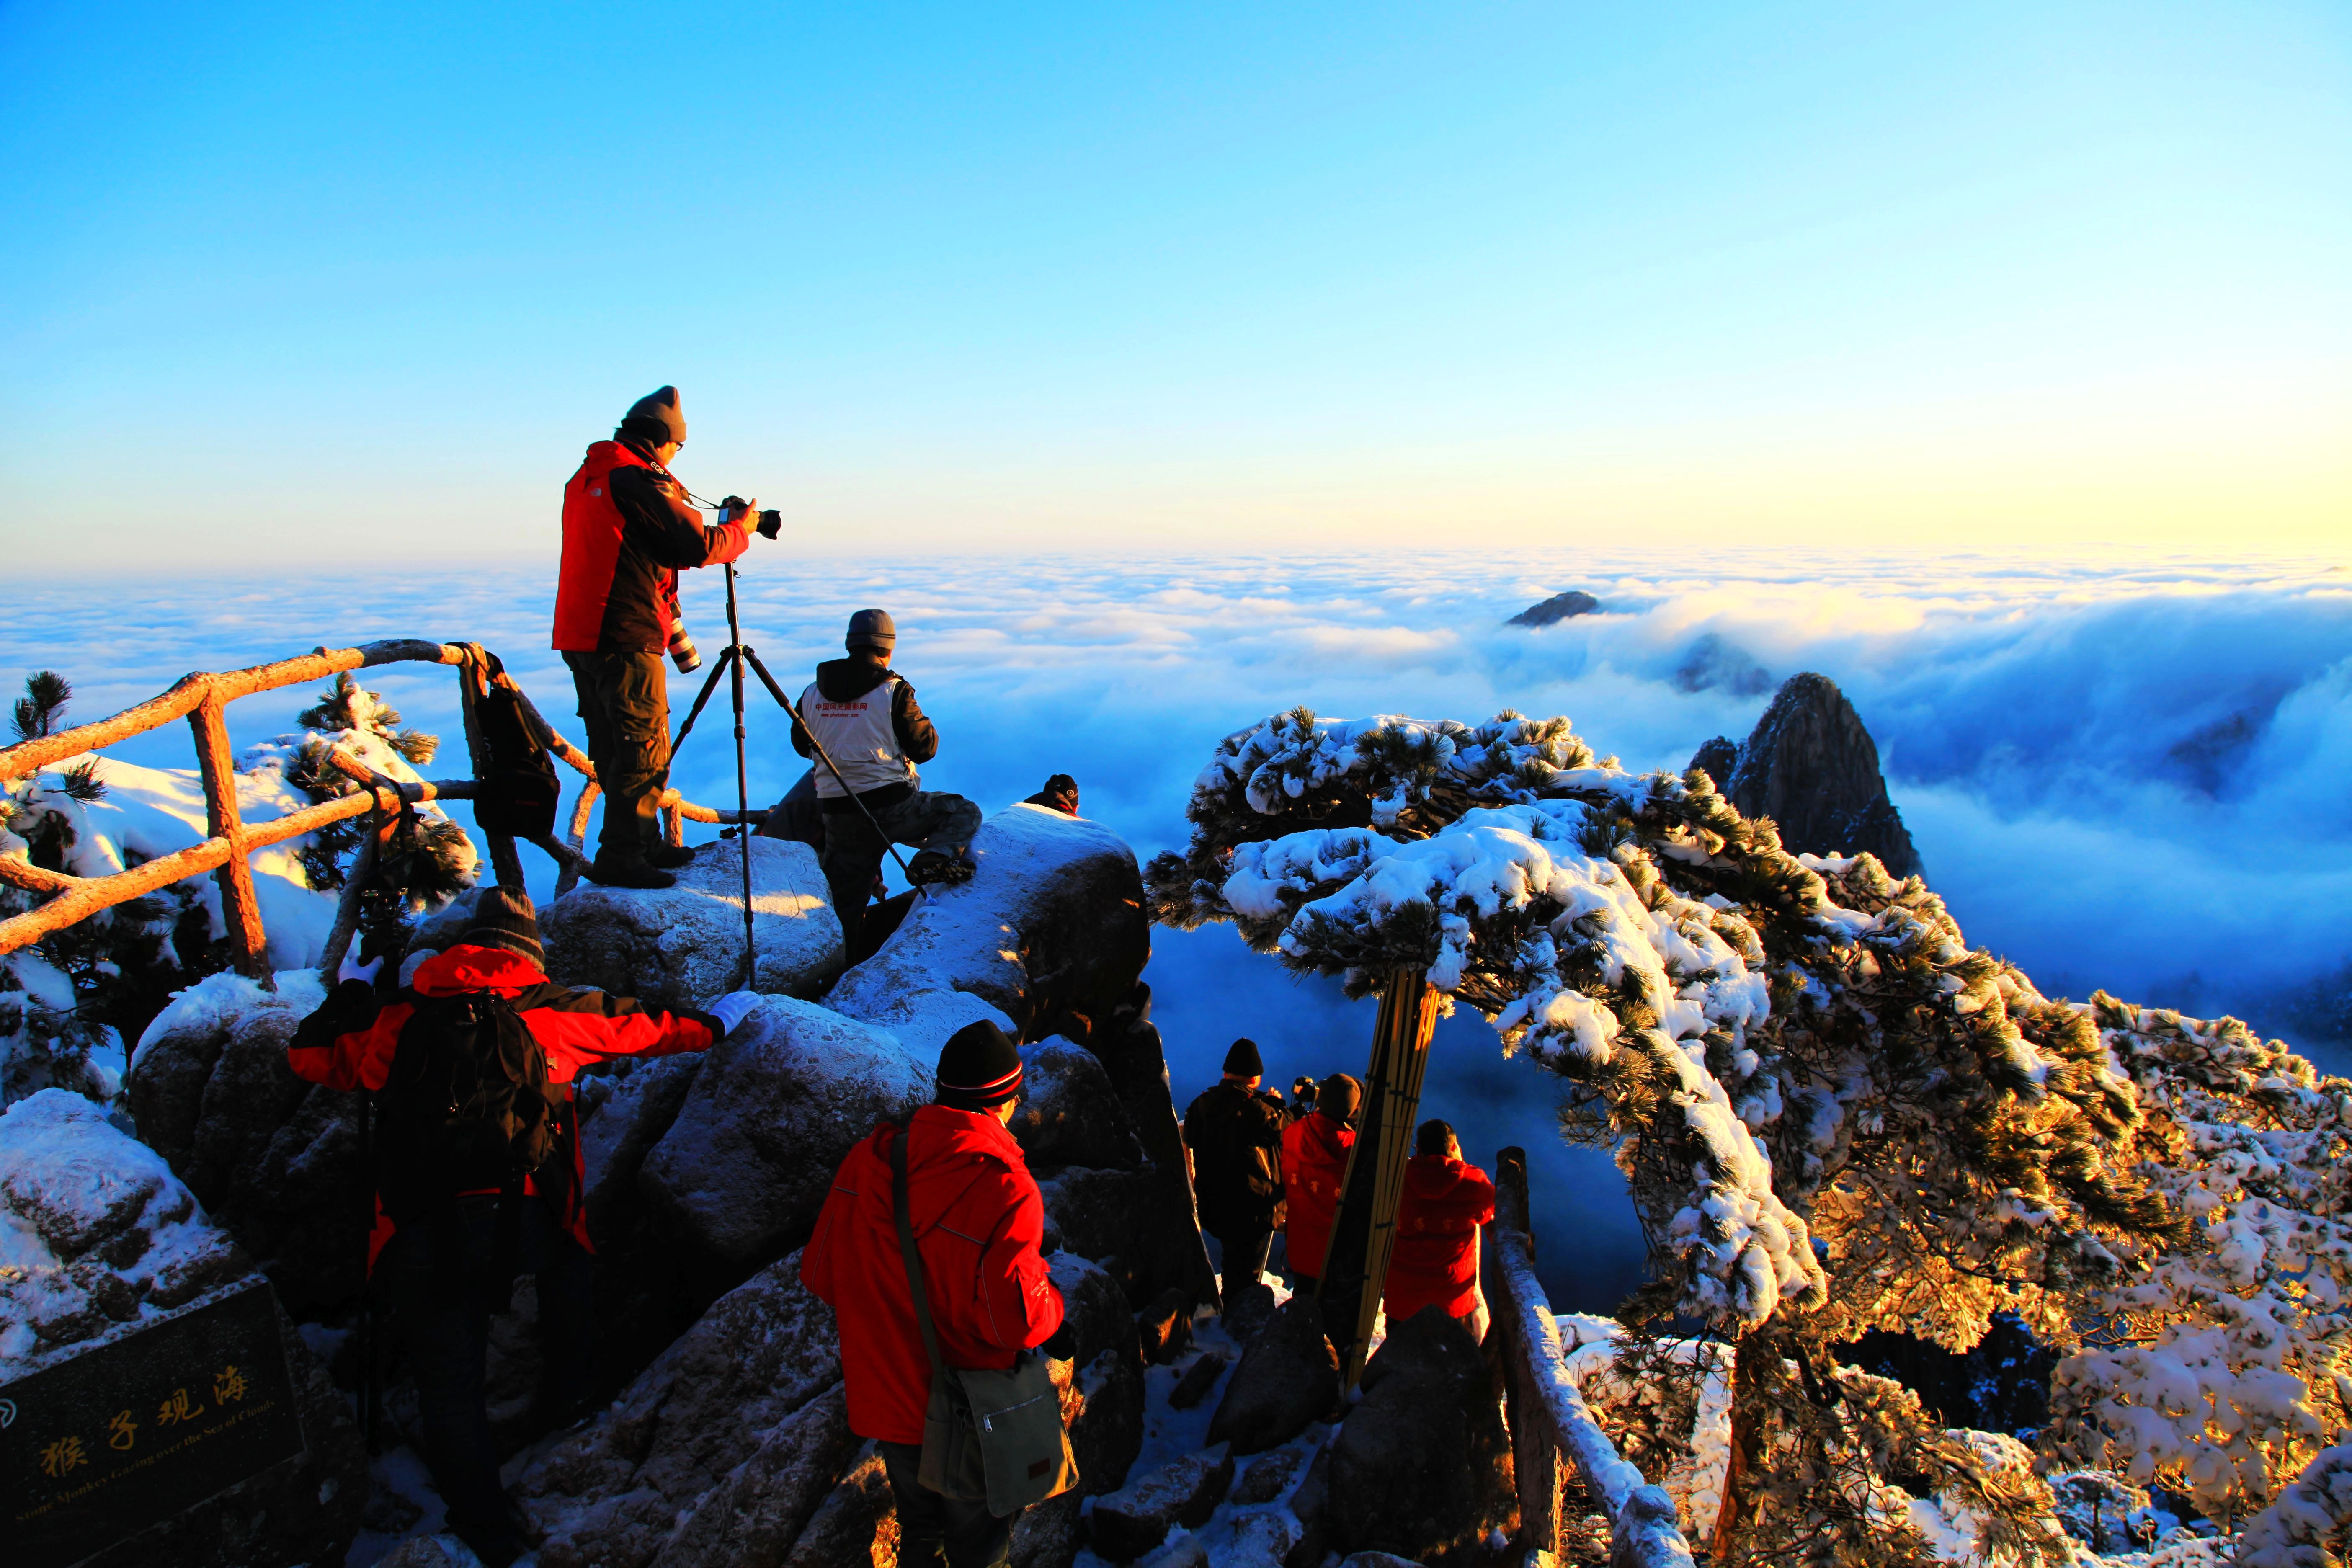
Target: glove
[(732, 1009), (352, 969), (1064, 1345)]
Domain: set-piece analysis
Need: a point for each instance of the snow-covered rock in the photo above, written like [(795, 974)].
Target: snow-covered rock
[(275, 1160), (1183, 1492), (1051, 920), (1069, 1114), (681, 947), (617, 1490), (1288, 1377), (98, 1240), (745, 1166)]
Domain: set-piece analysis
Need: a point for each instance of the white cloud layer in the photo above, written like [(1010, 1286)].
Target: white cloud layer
[(2121, 772)]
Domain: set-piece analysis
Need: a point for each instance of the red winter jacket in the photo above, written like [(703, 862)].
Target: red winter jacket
[(977, 1218), (349, 1044), (1314, 1162), (1436, 1258), (627, 529)]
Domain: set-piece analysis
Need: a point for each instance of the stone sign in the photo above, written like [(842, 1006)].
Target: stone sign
[(100, 1447)]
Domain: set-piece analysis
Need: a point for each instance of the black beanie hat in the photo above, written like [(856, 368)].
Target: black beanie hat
[(503, 918), (654, 417), (980, 1068), (1242, 1061), (1339, 1098), (1435, 1137)]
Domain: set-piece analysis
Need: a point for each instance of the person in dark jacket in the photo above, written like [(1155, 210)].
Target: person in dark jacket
[(1235, 1136), (450, 1254), (628, 531), (1059, 793), (864, 715), (978, 1220)]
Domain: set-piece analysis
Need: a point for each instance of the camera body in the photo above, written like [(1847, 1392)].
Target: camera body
[(768, 520)]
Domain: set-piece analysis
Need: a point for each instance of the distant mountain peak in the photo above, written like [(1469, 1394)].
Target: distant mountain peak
[(1812, 768), (1558, 608)]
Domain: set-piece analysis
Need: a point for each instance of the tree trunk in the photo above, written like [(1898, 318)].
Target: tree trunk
[(1746, 1446)]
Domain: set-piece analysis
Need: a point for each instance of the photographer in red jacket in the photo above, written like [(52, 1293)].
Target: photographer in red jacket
[(978, 1218), (1436, 1258)]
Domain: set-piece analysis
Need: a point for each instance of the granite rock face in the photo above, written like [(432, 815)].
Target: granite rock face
[(1288, 1378), (105, 1243), (274, 1159), (1810, 766), (1421, 1467), (744, 1167), (681, 947)]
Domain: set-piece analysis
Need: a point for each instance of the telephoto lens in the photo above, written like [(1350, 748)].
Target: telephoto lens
[(682, 652), (772, 523)]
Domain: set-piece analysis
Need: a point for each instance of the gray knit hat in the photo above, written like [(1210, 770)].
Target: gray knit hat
[(503, 918), (872, 628)]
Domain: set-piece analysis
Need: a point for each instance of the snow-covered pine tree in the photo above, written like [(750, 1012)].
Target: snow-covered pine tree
[(1832, 1114), (2220, 1369)]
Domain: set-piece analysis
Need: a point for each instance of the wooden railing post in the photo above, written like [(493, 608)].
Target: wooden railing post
[(240, 908), (1535, 1449)]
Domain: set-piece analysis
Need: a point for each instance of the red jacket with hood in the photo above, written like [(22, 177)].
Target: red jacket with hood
[(1314, 1162), (1436, 1258), (977, 1217), (628, 529), (349, 1044)]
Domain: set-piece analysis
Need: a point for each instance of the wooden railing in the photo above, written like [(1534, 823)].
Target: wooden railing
[(202, 699), (1550, 1423)]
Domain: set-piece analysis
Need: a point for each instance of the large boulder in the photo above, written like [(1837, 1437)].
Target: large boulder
[(1288, 1377), (754, 1517), (104, 1242), (1050, 922), (275, 1160), (1069, 1113), (616, 1492), (745, 1165), (1111, 1217), (1421, 1467), (1812, 768), (1104, 1401), (680, 947), (1185, 1492)]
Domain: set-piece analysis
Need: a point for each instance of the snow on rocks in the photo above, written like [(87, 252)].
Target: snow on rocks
[(681, 947), (1052, 919), (274, 1159), (98, 1240), (745, 1165)]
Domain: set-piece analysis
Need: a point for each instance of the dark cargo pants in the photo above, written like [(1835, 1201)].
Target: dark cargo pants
[(854, 850), (937, 1531), (624, 702)]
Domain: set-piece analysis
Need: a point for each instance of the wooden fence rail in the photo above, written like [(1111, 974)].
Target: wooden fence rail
[(202, 699), (1550, 1423)]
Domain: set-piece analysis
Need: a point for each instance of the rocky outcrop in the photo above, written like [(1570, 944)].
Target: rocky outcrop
[(274, 1159), (1288, 1377), (109, 1243), (717, 1409), (1069, 1113), (1184, 1491), (1810, 766), (681, 947), (744, 1167), (1421, 1467), (1558, 608), (1104, 1400)]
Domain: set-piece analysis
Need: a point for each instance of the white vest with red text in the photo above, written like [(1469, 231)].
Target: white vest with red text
[(859, 738)]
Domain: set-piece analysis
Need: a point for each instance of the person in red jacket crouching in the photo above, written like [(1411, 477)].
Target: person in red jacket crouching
[(978, 1218), (479, 1172), (1435, 1260)]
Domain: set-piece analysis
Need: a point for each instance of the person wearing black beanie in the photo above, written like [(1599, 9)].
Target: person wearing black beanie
[(629, 528), (1236, 1136), (977, 1221)]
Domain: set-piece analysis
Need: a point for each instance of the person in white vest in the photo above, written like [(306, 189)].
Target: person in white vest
[(865, 714)]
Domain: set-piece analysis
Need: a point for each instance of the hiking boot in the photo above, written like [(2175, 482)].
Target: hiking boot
[(669, 857), (930, 866), (607, 872)]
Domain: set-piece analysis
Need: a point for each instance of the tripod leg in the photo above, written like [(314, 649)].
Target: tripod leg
[(736, 654), (709, 684)]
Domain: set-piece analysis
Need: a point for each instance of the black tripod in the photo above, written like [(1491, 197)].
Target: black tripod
[(731, 660)]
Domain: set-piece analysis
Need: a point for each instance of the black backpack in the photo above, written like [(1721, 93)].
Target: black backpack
[(467, 1106), (520, 795)]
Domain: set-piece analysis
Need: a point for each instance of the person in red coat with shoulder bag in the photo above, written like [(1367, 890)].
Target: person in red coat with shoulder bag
[(1435, 1260), (978, 1219)]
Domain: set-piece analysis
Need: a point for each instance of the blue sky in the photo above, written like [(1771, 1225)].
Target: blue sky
[(363, 281)]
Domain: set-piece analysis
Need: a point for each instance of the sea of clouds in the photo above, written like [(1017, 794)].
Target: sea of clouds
[(2127, 772)]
